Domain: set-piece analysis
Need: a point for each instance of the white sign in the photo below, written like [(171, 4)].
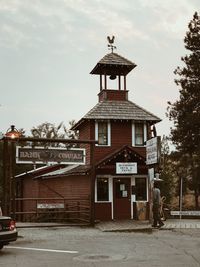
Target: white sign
[(50, 206), (153, 150), (126, 167), (186, 212), (41, 155), (151, 174)]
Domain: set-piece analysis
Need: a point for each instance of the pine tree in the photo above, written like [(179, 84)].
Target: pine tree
[(185, 112), (167, 186)]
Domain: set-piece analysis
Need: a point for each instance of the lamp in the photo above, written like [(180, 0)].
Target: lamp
[(12, 132)]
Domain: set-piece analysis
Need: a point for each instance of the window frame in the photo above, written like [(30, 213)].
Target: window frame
[(146, 191), (108, 190), (108, 133), (144, 129)]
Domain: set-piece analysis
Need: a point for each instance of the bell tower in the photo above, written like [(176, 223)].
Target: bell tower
[(113, 66)]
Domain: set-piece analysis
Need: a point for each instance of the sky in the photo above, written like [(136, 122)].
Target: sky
[(49, 47)]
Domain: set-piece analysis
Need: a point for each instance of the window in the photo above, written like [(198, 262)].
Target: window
[(102, 189), (141, 189), (102, 133), (139, 134)]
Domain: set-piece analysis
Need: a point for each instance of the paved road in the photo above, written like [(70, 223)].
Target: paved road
[(85, 247)]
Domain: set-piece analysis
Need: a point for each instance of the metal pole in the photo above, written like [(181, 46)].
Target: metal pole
[(181, 197)]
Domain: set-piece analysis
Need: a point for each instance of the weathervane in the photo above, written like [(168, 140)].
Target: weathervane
[(111, 42)]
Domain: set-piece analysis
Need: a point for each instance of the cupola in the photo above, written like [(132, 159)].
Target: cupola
[(113, 66)]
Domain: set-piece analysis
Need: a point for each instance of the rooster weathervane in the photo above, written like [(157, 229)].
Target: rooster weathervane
[(111, 42)]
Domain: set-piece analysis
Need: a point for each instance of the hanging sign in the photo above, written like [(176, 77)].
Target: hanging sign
[(126, 167), (38, 155), (153, 150)]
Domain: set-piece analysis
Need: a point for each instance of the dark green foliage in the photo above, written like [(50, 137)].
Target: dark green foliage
[(185, 112), (167, 174)]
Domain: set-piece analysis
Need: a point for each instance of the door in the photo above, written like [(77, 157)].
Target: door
[(122, 198)]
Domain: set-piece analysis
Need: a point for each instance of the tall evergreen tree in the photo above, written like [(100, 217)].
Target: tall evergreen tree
[(185, 112), (167, 186)]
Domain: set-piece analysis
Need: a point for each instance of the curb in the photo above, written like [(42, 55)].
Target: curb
[(50, 225), (144, 230)]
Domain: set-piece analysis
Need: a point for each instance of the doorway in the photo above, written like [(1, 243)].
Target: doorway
[(122, 198)]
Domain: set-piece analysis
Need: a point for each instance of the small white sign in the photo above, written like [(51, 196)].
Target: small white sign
[(124, 193), (186, 212), (151, 174), (122, 187), (126, 167), (50, 206)]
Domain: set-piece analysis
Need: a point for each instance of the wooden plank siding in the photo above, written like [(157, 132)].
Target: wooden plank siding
[(63, 188), (121, 133), (103, 211)]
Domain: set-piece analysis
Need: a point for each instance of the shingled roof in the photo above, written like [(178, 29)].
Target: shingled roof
[(113, 63), (118, 110)]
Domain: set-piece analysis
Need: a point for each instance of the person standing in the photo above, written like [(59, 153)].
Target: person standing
[(157, 222)]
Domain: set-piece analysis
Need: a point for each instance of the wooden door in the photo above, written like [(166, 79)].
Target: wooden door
[(122, 198)]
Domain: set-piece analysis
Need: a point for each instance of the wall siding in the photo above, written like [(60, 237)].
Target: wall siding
[(74, 187), (103, 211)]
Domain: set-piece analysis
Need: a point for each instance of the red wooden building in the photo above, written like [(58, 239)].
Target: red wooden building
[(121, 174)]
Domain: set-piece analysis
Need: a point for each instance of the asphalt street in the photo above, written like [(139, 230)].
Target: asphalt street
[(81, 247)]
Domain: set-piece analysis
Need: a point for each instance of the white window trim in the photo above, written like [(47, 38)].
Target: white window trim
[(147, 186), (109, 133), (145, 133), (133, 134), (110, 189)]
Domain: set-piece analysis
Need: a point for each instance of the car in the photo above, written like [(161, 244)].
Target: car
[(8, 231)]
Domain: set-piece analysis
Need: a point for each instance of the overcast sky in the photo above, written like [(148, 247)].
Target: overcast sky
[(49, 47)]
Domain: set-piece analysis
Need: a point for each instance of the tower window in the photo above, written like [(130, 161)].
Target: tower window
[(102, 133), (139, 134)]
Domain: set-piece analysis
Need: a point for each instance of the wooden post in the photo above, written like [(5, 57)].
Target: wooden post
[(92, 185), (6, 179), (13, 183), (124, 83), (105, 82), (100, 82), (119, 82)]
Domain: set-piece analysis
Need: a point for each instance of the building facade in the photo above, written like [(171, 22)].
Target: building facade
[(122, 129), (120, 173)]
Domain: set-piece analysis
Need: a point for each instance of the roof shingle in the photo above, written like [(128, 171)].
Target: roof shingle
[(118, 110), (113, 63), (122, 110)]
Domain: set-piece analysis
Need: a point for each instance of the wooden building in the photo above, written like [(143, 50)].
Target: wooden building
[(120, 171)]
